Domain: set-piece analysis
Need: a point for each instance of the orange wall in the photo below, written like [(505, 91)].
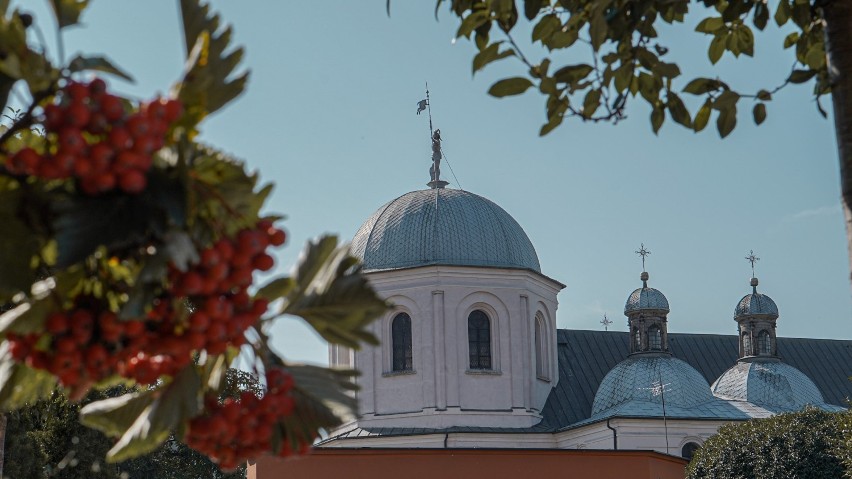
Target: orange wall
[(471, 463)]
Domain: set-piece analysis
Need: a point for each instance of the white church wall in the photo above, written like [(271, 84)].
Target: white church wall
[(642, 434), (439, 300)]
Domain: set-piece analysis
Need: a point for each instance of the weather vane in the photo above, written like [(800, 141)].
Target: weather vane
[(606, 322), (751, 258), (435, 136), (643, 253)]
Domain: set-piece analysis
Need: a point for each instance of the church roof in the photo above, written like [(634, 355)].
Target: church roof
[(442, 227), (585, 358)]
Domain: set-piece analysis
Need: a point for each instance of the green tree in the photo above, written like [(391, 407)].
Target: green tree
[(793, 445), (128, 259), (626, 60)]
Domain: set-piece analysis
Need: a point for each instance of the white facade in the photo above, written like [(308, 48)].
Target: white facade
[(441, 390)]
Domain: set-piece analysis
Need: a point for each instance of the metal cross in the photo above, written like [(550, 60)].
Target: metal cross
[(751, 258), (606, 322), (643, 253)]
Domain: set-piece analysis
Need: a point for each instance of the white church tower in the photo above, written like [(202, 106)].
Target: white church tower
[(471, 337)]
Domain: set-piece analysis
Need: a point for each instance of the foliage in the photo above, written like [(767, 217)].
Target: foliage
[(45, 439), (129, 255), (791, 445), (626, 57)]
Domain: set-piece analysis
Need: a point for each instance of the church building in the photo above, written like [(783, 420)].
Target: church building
[(470, 357)]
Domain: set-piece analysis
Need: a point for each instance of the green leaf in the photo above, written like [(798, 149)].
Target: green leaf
[(276, 289), (572, 73), (702, 117), (597, 26), (657, 117), (509, 87), (717, 48), (68, 11), (761, 15), (472, 22), (591, 103), (490, 54), (668, 70), (101, 64), (554, 121), (532, 7), (801, 76), (209, 81), (18, 245), (791, 39), (726, 120), (764, 95), (332, 295), (782, 14), (20, 384), (700, 86), (678, 111), (167, 413), (710, 25), (726, 100), (114, 416), (546, 27), (759, 113)]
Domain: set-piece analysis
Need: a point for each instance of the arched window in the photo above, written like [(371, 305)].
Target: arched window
[(479, 340), (655, 338), (539, 347), (747, 345), (688, 450), (403, 359), (764, 343), (637, 340)]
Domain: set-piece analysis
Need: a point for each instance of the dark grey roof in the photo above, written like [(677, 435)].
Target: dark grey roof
[(585, 358), (756, 304), (442, 227), (646, 298)]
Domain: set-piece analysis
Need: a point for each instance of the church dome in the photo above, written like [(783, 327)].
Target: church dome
[(773, 385), (646, 298), (756, 304), (635, 378), (442, 227)]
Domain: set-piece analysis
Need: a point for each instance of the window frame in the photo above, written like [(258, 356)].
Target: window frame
[(655, 338), (407, 337), (480, 342), (764, 342)]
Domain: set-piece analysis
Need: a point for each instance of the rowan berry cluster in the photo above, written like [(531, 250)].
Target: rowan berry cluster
[(85, 344), (230, 432), (221, 307), (88, 342), (91, 137)]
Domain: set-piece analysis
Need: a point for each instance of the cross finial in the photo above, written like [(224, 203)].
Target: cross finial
[(751, 258), (643, 253), (606, 322)]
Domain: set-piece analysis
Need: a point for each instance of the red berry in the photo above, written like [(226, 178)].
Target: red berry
[(53, 117), (24, 161), (263, 262), (77, 91), (191, 283), (101, 155), (97, 87), (57, 323), (139, 126), (277, 238), (132, 181), (111, 107), (77, 115), (120, 138), (71, 140), (174, 109), (104, 181)]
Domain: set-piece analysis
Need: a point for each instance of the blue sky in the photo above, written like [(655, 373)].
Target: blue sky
[(329, 116)]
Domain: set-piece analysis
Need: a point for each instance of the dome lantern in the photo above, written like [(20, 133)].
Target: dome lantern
[(646, 310), (756, 314)]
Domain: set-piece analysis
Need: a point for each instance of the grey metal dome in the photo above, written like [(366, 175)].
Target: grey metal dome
[(772, 385), (646, 298), (442, 227), (634, 378), (756, 304)]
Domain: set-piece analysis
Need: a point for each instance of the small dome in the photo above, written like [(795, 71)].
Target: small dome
[(635, 377), (442, 227), (646, 298), (772, 385), (756, 304)]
